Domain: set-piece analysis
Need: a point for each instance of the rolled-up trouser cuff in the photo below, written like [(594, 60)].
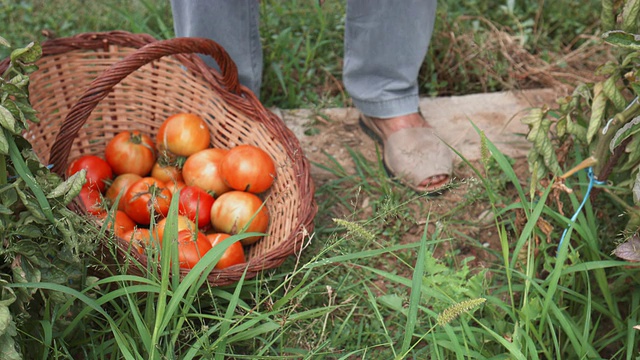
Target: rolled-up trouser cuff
[(388, 108)]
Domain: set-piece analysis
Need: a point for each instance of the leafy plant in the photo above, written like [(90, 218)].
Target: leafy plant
[(601, 118), (41, 240)]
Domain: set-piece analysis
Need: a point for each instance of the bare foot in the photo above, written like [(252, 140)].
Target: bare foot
[(391, 125)]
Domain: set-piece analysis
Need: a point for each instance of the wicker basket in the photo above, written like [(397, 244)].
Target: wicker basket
[(92, 86)]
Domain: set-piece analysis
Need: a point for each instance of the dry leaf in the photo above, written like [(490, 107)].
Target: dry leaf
[(629, 250)]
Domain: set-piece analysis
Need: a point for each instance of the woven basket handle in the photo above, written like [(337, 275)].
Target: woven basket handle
[(101, 86)]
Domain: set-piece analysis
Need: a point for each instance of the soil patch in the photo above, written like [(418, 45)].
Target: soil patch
[(470, 225)]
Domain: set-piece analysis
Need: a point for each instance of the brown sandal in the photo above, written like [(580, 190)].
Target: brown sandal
[(414, 154)]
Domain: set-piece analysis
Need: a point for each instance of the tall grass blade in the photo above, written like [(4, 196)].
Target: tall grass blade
[(228, 319), (416, 293)]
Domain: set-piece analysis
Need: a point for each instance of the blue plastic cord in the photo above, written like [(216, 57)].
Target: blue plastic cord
[(592, 181)]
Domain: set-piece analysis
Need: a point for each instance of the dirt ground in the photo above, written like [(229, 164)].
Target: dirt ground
[(497, 115)]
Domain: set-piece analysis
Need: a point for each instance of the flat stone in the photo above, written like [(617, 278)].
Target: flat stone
[(329, 132)]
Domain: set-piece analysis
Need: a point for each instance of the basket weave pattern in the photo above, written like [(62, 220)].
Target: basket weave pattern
[(92, 86)]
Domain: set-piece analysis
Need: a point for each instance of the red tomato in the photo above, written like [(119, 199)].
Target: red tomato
[(191, 248), (248, 168), (183, 134), (142, 196), (183, 224), (131, 152), (120, 185), (139, 238), (91, 200), (174, 187), (195, 203), (98, 171), (166, 173), (202, 169), (122, 224), (232, 256), (239, 211)]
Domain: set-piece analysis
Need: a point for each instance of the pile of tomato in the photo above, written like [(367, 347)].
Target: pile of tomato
[(219, 189)]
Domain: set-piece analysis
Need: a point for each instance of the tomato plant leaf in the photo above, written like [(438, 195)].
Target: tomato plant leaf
[(24, 271), (32, 206), (538, 135), (69, 189), (613, 93), (5, 319), (27, 55), (576, 129), (622, 39), (597, 111), (4, 145), (19, 82), (630, 15), (633, 151), (7, 331), (636, 88), (7, 120), (26, 113), (561, 127), (5, 210), (629, 129)]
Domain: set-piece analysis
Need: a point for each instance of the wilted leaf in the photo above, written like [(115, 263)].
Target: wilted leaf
[(608, 68), (24, 272), (629, 250), (597, 112), (545, 227), (31, 205), (629, 129), (636, 189), (576, 129), (19, 81), (70, 188), (28, 54), (630, 15), (613, 93), (633, 151), (561, 127)]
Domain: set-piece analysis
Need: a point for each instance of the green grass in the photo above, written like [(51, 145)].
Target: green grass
[(303, 45), (361, 289)]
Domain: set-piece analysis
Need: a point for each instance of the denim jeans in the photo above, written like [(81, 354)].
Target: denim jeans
[(385, 44)]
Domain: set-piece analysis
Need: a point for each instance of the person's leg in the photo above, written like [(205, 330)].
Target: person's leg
[(232, 24), (385, 44)]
